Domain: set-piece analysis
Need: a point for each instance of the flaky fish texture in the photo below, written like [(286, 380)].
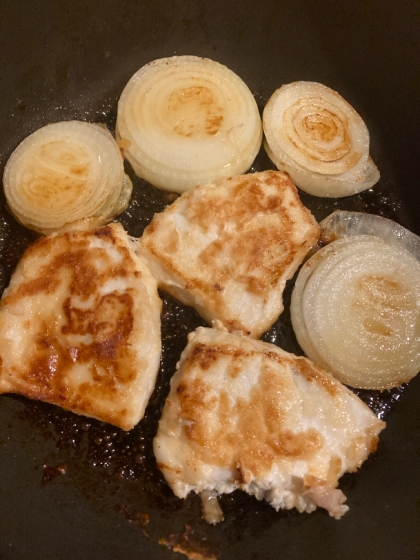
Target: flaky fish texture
[(244, 414), (228, 248), (80, 326)]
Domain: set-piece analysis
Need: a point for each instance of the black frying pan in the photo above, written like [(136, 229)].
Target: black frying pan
[(74, 488)]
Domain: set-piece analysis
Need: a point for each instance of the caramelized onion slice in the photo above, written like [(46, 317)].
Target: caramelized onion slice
[(355, 311), (66, 175), (186, 120), (313, 134)]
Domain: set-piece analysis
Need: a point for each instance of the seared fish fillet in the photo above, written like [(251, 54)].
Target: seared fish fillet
[(227, 248), (80, 326), (243, 413)]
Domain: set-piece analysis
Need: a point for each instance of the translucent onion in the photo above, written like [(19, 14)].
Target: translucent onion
[(313, 134), (186, 120), (212, 512), (66, 175), (356, 307), (343, 223)]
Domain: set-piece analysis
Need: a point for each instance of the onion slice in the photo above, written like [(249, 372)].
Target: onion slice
[(356, 309), (343, 223), (185, 120), (313, 134), (66, 175)]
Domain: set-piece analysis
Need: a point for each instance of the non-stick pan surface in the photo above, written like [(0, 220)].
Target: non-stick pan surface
[(74, 488)]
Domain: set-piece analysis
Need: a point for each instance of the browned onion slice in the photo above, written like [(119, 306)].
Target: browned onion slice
[(66, 175), (356, 311), (313, 134), (186, 120)]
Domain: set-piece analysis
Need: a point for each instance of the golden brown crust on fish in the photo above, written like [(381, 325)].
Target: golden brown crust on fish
[(80, 326), (227, 248), (244, 414)]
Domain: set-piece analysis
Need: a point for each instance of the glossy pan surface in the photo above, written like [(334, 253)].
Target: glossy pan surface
[(74, 488)]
